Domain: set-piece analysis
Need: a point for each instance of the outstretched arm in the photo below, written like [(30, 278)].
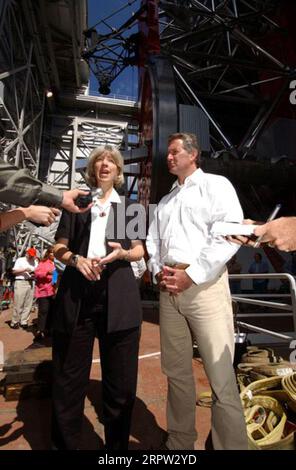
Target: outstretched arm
[(38, 214), (19, 187)]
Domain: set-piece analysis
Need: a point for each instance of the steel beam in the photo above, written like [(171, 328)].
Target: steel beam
[(226, 141)]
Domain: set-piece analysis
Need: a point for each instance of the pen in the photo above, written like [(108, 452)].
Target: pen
[(271, 217)]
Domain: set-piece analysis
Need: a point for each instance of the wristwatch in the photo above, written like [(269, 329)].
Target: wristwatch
[(74, 260)]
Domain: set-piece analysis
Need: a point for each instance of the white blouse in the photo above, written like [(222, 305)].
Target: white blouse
[(99, 217)]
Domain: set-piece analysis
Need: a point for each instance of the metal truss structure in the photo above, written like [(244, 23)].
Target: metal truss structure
[(228, 64), (110, 48), (232, 63), (21, 103), (235, 60), (224, 59), (47, 122), (21, 98), (70, 138)]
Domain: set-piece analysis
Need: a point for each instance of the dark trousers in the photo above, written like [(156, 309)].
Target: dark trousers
[(44, 313), (72, 358)]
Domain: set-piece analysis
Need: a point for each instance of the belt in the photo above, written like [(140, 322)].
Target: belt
[(181, 266)]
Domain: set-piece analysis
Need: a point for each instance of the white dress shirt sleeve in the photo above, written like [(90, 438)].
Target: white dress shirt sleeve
[(225, 207), (153, 246)]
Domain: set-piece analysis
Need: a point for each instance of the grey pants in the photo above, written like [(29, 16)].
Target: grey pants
[(22, 301)]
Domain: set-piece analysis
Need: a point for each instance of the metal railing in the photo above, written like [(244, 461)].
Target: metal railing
[(113, 96), (254, 299)]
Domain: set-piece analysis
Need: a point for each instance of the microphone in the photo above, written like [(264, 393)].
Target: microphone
[(92, 196), (83, 201), (97, 193)]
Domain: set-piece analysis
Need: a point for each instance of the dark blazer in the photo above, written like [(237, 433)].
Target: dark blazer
[(124, 303)]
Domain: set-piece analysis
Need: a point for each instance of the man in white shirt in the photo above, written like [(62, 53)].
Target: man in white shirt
[(188, 264), (23, 270)]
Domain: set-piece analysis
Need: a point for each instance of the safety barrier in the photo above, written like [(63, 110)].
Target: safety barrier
[(254, 299)]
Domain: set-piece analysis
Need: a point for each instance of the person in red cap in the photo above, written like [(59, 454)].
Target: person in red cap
[(31, 252), (23, 270)]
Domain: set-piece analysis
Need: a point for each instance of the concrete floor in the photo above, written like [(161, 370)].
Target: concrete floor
[(25, 423)]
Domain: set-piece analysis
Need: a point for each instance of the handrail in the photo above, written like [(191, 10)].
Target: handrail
[(262, 303), (113, 96), (292, 308)]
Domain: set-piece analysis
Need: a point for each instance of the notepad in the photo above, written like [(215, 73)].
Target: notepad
[(232, 228)]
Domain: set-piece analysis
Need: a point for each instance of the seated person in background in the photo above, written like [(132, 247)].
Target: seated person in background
[(259, 267)]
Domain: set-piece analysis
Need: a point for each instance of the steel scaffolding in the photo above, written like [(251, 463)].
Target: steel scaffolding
[(48, 123)]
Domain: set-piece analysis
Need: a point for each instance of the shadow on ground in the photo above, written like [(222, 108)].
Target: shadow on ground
[(33, 423)]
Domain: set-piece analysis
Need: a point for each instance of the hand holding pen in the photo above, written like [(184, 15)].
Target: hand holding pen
[(260, 232), (279, 233), (270, 218)]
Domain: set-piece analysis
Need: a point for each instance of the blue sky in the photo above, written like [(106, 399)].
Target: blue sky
[(127, 82)]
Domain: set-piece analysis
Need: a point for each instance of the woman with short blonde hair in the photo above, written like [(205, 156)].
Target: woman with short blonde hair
[(98, 298), (99, 153)]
